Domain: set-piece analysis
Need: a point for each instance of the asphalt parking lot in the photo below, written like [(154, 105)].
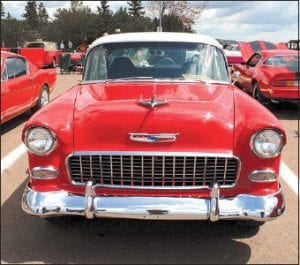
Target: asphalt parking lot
[(27, 239)]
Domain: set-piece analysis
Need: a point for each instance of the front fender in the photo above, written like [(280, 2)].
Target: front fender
[(250, 117)]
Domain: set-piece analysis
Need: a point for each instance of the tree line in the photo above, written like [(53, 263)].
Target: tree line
[(79, 23)]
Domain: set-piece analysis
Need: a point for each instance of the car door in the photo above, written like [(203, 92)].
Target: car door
[(16, 87), (248, 70)]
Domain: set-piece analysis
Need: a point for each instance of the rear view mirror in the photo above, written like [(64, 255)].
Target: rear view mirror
[(235, 76)]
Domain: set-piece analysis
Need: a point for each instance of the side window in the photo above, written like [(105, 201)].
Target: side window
[(15, 67), (254, 60)]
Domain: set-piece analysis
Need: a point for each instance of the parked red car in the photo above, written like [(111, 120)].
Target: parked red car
[(233, 54), (23, 85), (41, 53), (155, 139), (270, 75), (77, 56)]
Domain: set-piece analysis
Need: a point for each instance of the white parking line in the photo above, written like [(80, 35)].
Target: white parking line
[(285, 172), (289, 177), (12, 157)]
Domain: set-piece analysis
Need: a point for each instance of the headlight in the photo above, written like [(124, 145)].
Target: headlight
[(267, 143), (39, 140)]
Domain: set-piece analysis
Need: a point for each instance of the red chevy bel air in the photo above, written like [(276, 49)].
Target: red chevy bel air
[(42, 53), (168, 138), (270, 75), (23, 85)]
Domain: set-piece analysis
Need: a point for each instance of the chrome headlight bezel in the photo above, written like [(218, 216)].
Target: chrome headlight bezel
[(52, 145), (278, 151)]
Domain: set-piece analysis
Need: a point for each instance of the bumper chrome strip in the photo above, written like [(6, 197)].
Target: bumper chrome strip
[(243, 206)]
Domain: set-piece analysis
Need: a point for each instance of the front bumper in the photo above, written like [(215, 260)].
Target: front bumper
[(243, 206)]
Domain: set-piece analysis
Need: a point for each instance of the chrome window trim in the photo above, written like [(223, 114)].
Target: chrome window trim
[(151, 153)]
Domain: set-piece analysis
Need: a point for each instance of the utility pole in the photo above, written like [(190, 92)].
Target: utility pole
[(161, 4)]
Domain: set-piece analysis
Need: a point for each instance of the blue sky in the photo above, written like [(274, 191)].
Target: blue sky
[(273, 21)]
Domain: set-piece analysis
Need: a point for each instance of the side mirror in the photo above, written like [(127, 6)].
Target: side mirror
[(235, 76)]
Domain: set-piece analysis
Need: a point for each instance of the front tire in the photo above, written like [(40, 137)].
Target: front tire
[(258, 95), (247, 223), (43, 100)]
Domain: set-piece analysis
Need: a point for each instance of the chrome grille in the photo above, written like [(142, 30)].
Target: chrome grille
[(148, 170)]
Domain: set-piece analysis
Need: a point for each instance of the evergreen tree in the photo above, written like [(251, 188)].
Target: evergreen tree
[(8, 16), (104, 9), (2, 10), (42, 14), (135, 8), (31, 14), (76, 5), (104, 19)]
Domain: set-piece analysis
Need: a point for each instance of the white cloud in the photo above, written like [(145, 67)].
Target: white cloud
[(249, 20)]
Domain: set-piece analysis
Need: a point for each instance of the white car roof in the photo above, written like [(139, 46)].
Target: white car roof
[(155, 37)]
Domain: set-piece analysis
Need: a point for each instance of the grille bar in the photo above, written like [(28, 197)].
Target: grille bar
[(142, 170)]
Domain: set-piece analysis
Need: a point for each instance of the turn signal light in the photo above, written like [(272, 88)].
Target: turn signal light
[(44, 173), (263, 176)]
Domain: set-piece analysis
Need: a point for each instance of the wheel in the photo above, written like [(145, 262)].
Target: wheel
[(246, 223), (63, 220), (258, 95), (44, 99), (166, 61)]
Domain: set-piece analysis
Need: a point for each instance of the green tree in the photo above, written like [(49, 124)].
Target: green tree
[(76, 24), (135, 8), (15, 32), (77, 6), (172, 24), (104, 8), (104, 20), (31, 14), (2, 10), (8, 16), (126, 23), (43, 16)]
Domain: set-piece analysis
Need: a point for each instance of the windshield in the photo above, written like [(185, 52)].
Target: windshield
[(290, 61), (175, 61), (35, 45)]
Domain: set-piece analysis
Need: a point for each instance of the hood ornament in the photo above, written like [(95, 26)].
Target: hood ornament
[(152, 103), (153, 138)]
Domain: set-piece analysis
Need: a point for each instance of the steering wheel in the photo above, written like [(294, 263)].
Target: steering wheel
[(166, 61)]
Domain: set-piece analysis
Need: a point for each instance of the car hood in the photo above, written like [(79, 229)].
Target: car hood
[(201, 115), (249, 48)]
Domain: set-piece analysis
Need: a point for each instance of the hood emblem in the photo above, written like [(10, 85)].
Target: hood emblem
[(153, 138), (152, 103)]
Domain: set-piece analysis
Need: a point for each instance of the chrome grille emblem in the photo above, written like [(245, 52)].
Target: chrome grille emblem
[(152, 103), (153, 138)]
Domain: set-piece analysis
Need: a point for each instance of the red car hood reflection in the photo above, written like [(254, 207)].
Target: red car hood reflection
[(202, 115)]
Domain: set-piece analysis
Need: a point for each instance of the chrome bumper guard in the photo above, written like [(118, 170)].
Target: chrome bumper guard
[(243, 206)]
